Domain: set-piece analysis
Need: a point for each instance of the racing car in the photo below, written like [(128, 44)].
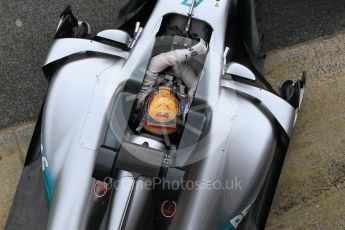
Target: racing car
[(165, 121)]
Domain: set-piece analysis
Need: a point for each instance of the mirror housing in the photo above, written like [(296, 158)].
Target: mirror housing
[(240, 70), (117, 36)]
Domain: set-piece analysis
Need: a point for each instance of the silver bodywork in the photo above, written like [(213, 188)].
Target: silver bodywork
[(239, 145)]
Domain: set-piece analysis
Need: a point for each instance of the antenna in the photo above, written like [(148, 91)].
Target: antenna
[(190, 15)]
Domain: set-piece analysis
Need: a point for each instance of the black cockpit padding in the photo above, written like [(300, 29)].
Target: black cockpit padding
[(115, 129), (119, 116), (174, 24), (194, 129), (104, 163), (140, 159)]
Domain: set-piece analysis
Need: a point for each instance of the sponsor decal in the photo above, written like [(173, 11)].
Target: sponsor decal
[(237, 219), (189, 2), (48, 183), (235, 222)]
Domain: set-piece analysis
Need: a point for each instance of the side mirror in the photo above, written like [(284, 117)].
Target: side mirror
[(240, 71), (118, 36)]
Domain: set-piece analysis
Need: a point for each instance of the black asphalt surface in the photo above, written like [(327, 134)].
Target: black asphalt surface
[(26, 31), (287, 22), (27, 27)]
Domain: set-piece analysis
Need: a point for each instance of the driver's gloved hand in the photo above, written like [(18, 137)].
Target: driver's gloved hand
[(199, 49)]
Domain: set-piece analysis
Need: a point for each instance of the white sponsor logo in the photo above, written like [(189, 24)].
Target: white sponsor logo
[(44, 163), (237, 219), (44, 160)]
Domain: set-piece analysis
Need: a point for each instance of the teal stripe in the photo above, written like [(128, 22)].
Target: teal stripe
[(48, 185), (47, 180), (189, 4), (229, 227)]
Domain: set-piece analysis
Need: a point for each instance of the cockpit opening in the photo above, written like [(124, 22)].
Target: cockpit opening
[(171, 78)]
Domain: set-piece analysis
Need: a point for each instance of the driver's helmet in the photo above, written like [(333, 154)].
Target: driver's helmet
[(162, 111)]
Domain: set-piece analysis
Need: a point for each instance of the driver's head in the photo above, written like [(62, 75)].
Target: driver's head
[(162, 110), (163, 105)]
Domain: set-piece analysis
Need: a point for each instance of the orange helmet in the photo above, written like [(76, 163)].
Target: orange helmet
[(162, 110)]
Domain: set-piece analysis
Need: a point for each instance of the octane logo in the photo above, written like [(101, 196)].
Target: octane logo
[(168, 208), (102, 187)]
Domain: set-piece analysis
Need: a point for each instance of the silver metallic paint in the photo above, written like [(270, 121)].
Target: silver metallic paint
[(241, 71), (240, 143)]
